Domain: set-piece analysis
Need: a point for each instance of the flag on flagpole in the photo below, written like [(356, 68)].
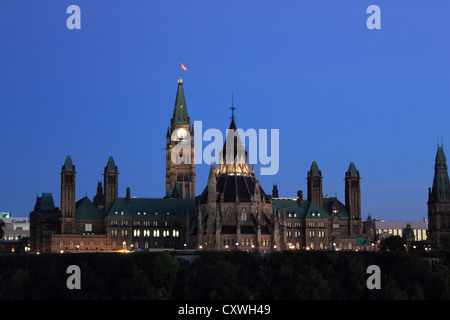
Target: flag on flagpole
[(183, 67)]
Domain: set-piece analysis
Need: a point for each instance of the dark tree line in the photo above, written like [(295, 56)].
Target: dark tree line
[(225, 275)]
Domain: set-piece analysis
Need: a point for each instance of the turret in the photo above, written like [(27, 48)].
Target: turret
[(68, 197), (353, 192), (111, 184), (315, 185)]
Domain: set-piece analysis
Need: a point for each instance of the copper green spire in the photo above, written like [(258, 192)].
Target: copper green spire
[(441, 184), (352, 171), (180, 115), (111, 166), (314, 169), (68, 165)]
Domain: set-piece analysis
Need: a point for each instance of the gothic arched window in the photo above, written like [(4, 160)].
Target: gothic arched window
[(244, 216)]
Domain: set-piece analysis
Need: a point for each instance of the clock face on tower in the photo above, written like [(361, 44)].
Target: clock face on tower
[(181, 133)]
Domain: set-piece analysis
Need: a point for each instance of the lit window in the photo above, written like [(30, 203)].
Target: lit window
[(244, 215)]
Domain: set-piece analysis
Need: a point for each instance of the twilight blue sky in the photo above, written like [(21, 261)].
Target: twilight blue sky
[(337, 91)]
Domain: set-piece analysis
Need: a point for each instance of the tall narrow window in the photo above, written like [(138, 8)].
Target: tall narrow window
[(244, 215)]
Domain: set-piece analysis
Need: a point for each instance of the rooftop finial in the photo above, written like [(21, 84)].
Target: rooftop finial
[(232, 106)]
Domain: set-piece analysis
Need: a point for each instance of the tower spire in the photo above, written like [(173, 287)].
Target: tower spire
[(441, 185), (232, 106)]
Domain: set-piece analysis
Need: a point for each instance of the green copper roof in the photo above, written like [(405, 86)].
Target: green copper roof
[(47, 203), (85, 209), (180, 115), (314, 169), (111, 166), (441, 162), (68, 165), (309, 209), (352, 172), (151, 208), (441, 183)]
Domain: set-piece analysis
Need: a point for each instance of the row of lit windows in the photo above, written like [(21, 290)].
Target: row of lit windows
[(80, 246), (11, 237), (419, 234), (136, 223), (320, 224), (295, 224), (320, 233), (156, 233), (338, 246), (147, 233), (311, 224), (245, 242)]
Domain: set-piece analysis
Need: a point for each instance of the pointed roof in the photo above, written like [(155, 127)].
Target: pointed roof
[(352, 171), (314, 170), (85, 209), (180, 115), (212, 172), (440, 159), (233, 136), (152, 208), (309, 209), (68, 165), (237, 163), (46, 203), (111, 166), (440, 191)]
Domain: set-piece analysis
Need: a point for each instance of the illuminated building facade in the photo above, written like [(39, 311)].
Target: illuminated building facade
[(233, 212)]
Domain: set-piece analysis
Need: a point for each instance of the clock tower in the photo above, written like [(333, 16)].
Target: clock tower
[(180, 166)]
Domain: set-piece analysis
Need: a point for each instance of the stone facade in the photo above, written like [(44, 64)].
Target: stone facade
[(233, 212)]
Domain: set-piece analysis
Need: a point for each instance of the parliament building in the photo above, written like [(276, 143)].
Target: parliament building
[(232, 212)]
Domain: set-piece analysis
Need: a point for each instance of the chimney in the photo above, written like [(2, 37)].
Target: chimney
[(128, 194), (300, 198)]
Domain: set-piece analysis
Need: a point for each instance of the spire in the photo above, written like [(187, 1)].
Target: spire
[(212, 173), (315, 169), (233, 157), (314, 185), (232, 106), (275, 191), (68, 165), (111, 166), (352, 171), (441, 185), (180, 115)]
